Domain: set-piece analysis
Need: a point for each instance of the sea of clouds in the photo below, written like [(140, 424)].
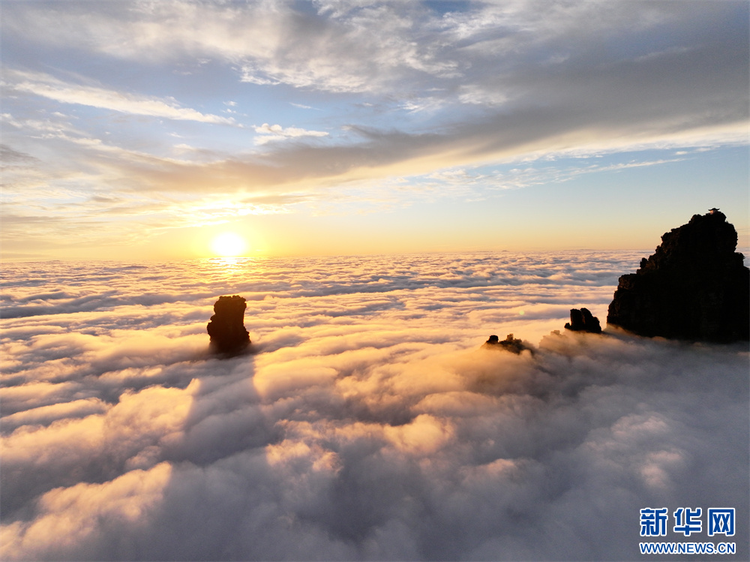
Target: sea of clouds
[(364, 422)]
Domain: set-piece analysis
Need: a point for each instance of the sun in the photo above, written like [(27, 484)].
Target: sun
[(228, 245)]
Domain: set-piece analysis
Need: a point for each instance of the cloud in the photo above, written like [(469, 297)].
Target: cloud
[(365, 423), (410, 89), (268, 44), (91, 512), (93, 96), (277, 132), (12, 158), (488, 54)]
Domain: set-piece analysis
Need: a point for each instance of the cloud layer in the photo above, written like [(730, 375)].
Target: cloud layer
[(366, 423)]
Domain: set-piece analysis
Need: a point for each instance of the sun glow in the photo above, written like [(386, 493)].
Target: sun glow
[(229, 244)]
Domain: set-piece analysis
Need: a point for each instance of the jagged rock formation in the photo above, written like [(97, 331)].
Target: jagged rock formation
[(509, 344), (693, 287), (227, 328), (583, 321)]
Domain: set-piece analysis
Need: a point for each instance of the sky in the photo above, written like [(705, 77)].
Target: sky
[(365, 422), (142, 130)]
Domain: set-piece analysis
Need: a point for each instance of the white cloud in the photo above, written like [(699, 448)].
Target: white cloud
[(46, 86), (365, 423), (428, 104), (301, 106), (372, 47), (277, 132)]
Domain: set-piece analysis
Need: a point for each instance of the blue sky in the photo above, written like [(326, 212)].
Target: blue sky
[(143, 129)]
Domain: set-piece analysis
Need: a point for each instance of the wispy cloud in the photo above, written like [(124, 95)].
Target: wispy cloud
[(277, 132), (302, 106), (102, 98)]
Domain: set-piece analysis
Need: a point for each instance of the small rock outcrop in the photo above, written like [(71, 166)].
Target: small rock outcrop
[(509, 344), (583, 321), (694, 287), (227, 328)]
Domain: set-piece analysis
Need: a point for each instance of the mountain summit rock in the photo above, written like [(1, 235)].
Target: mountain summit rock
[(694, 287), (583, 321), (227, 326), (514, 345)]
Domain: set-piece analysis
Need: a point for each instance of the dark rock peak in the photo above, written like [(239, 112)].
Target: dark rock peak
[(227, 328), (707, 240), (693, 287), (583, 321), (509, 344)]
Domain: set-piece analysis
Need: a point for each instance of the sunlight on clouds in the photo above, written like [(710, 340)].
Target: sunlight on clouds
[(85, 513), (289, 451), (505, 472), (422, 437), (366, 417), (152, 416), (275, 380), (209, 210), (45, 415)]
